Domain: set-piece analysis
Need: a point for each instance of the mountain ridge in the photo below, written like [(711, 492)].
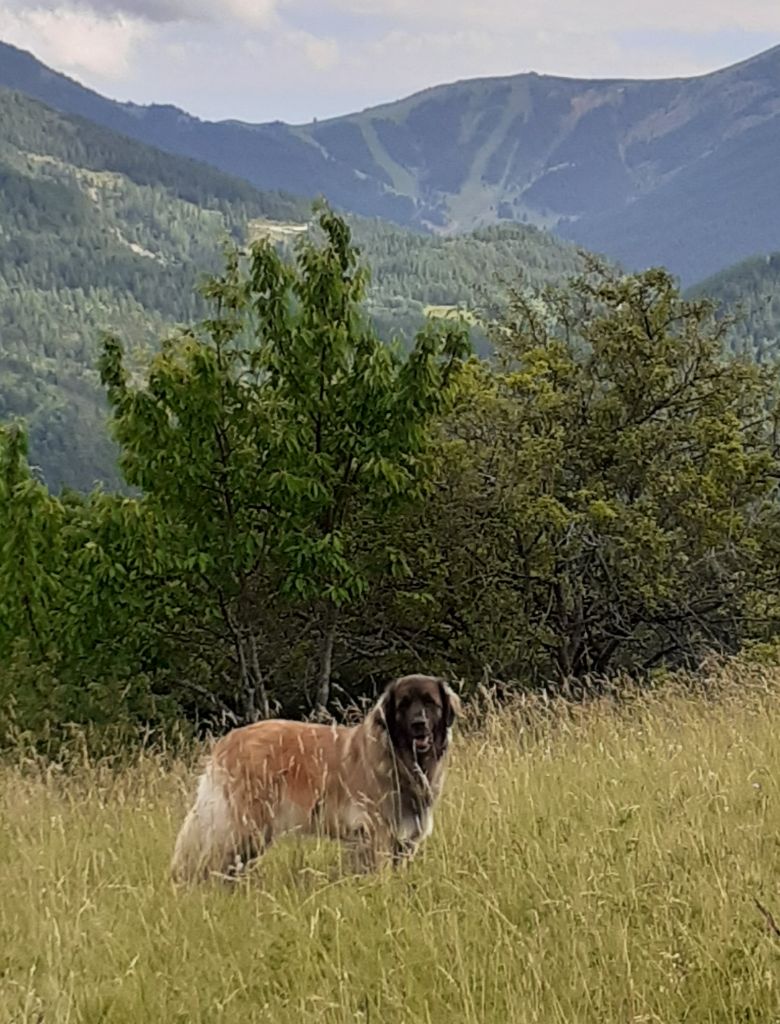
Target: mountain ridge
[(772, 51), (676, 171)]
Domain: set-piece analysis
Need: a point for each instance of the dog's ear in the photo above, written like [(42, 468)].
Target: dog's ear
[(386, 710), (450, 701)]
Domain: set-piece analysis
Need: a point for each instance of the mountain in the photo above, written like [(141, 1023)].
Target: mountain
[(751, 291), (97, 232), (680, 172), (100, 232)]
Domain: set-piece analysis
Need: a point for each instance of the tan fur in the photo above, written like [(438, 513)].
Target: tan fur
[(277, 777)]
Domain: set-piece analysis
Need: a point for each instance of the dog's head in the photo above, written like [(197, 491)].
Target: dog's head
[(418, 713)]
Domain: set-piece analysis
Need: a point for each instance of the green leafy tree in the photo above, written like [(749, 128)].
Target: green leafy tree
[(262, 439), (29, 540), (607, 497), (79, 618)]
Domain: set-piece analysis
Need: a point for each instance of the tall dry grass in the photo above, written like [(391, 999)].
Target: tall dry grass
[(595, 863)]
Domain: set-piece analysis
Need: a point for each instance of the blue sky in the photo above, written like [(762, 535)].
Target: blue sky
[(292, 60)]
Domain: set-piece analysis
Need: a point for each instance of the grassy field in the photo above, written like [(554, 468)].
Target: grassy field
[(594, 863)]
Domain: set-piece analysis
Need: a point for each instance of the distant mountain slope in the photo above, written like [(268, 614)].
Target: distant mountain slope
[(98, 231), (258, 153), (681, 172), (751, 289), (416, 275)]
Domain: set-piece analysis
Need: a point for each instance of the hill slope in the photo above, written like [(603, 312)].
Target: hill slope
[(100, 232), (680, 171), (96, 232), (416, 275), (751, 289)]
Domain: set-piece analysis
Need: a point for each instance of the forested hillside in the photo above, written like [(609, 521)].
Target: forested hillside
[(99, 232), (413, 275), (751, 292)]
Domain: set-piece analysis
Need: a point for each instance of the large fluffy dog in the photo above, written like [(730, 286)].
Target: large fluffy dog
[(372, 786)]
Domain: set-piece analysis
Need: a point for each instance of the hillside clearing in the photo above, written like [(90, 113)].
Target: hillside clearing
[(451, 313), (274, 231)]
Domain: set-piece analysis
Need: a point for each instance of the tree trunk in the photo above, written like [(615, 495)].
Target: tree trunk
[(247, 683), (252, 685), (245, 644), (260, 690), (326, 657)]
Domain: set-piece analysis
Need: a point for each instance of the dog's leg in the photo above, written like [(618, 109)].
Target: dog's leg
[(362, 852), (366, 850), (403, 851), (371, 849), (245, 853)]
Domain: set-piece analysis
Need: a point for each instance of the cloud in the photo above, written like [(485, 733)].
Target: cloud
[(322, 54), (254, 13), (502, 16), (401, 61), (102, 39), (75, 40)]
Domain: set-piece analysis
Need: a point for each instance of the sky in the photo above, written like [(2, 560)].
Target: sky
[(294, 60)]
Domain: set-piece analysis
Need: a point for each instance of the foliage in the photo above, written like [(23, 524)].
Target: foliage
[(316, 510), (262, 444), (607, 497)]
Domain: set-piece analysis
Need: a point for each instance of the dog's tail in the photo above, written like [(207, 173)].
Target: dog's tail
[(205, 839)]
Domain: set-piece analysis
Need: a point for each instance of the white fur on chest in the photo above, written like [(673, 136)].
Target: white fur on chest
[(411, 828)]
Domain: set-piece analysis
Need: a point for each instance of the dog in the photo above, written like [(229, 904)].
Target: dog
[(372, 786)]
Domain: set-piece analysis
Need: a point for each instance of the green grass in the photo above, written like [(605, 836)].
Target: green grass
[(590, 863)]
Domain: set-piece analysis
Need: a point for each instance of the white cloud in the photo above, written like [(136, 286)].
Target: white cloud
[(75, 40), (322, 54), (255, 13), (403, 61), (295, 59), (501, 16), (252, 13)]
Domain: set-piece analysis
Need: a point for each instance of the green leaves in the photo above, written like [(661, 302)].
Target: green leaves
[(312, 503), (263, 437), (622, 476)]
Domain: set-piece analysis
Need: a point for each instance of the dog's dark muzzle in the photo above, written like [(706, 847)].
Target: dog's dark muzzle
[(421, 735)]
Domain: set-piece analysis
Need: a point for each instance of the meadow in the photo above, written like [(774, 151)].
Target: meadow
[(591, 862)]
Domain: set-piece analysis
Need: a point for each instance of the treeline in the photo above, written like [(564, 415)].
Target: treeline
[(315, 510)]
